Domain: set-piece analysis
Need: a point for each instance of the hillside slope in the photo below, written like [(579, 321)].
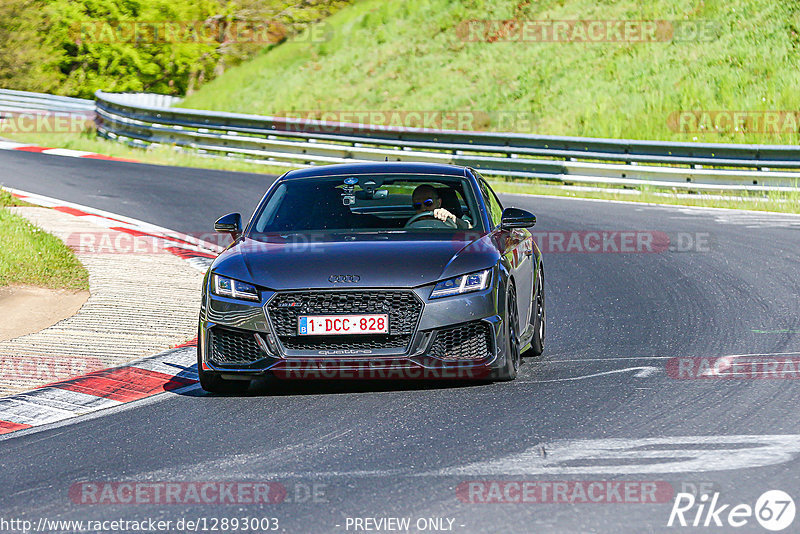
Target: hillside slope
[(416, 55)]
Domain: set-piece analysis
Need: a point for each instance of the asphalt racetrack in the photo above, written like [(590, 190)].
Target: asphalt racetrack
[(604, 404)]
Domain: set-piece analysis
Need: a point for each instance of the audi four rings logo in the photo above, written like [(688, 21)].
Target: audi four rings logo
[(340, 278)]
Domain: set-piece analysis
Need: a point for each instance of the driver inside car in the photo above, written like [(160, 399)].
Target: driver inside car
[(430, 213)]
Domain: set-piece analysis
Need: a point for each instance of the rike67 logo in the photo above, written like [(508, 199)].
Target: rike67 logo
[(774, 510)]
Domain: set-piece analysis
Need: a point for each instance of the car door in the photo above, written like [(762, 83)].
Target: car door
[(517, 247)]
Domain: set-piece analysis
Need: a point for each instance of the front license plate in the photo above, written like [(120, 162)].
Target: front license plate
[(316, 325)]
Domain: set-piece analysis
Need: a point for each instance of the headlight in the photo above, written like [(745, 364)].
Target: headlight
[(462, 284), (227, 287)]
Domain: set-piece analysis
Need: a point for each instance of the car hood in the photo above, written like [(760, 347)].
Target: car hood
[(378, 260)]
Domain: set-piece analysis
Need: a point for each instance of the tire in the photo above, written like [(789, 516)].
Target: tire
[(539, 318), (213, 383), (513, 356)]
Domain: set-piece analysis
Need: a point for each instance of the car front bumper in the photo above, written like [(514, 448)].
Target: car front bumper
[(457, 337)]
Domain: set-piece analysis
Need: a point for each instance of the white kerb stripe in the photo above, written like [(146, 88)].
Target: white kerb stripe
[(10, 145), (66, 152)]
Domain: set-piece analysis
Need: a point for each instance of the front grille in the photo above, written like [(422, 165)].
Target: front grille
[(403, 308), (367, 341), (233, 347), (470, 341)]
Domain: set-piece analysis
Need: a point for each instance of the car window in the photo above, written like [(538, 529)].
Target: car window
[(493, 204), (361, 202)]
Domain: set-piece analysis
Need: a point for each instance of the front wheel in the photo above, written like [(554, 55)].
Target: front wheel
[(513, 357)]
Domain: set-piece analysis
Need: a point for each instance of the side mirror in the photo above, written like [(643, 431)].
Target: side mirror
[(230, 224), (517, 218)]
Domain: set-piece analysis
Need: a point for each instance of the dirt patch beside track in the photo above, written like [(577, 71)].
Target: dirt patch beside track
[(26, 310)]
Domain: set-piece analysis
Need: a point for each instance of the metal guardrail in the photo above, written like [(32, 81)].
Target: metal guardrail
[(145, 120), (146, 99), (25, 102), (299, 142)]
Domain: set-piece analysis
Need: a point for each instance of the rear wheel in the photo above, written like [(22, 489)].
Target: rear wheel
[(539, 317), (213, 383)]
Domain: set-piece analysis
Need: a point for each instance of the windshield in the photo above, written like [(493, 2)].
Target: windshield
[(393, 202)]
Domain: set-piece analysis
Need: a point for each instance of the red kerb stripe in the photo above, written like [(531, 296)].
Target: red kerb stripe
[(166, 237), (108, 158), (188, 254), (192, 343), (125, 384), (32, 148), (7, 427), (70, 211)]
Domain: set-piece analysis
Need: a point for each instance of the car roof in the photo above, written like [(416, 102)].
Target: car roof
[(394, 167)]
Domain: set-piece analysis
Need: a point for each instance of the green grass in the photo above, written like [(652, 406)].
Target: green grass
[(32, 257), (409, 55), (779, 202), (7, 200)]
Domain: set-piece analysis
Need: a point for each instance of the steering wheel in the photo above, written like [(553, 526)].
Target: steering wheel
[(429, 221), (421, 217)]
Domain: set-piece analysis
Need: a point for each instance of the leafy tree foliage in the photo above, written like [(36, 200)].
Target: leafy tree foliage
[(75, 47)]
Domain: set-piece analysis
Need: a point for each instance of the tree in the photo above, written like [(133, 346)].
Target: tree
[(75, 47), (25, 61)]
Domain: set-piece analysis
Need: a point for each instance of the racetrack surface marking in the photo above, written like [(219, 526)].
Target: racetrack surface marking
[(643, 372), (614, 456), (688, 454), (632, 358)]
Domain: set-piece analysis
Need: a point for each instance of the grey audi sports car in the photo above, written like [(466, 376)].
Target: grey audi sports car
[(379, 270)]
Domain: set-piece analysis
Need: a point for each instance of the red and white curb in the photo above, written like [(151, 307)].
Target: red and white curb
[(173, 370), (198, 253), (25, 147)]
